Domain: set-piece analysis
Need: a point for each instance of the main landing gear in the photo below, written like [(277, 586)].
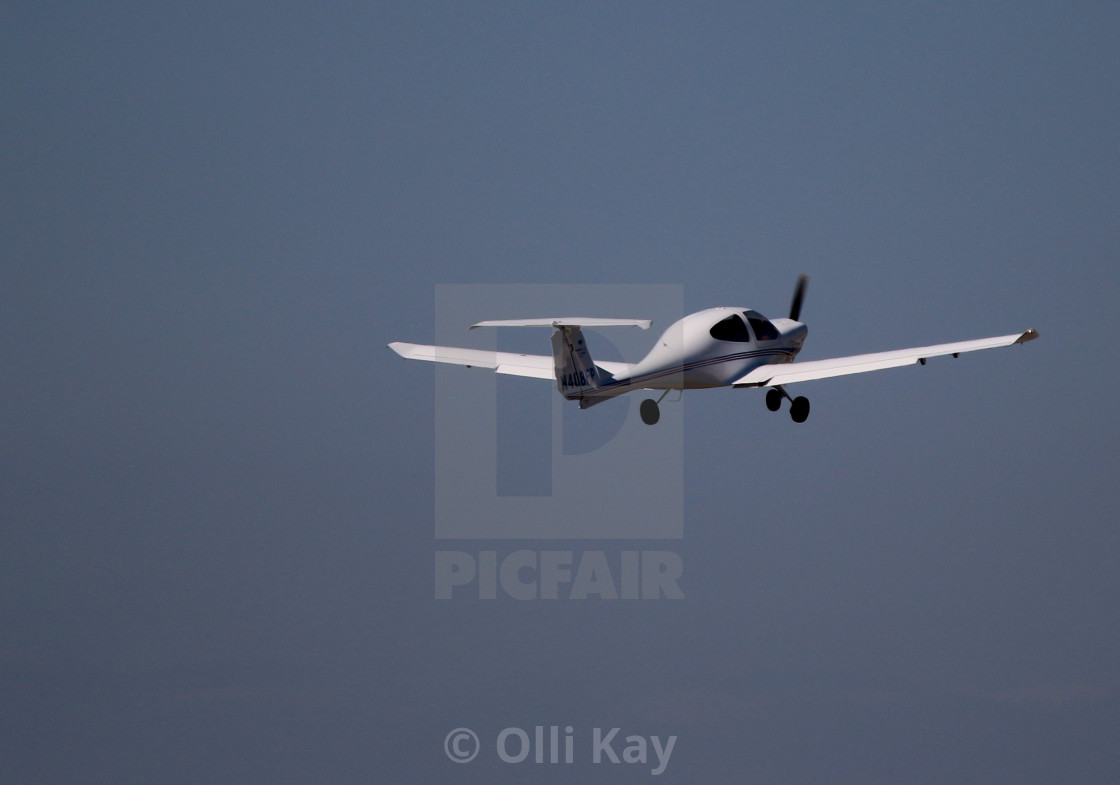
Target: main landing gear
[(798, 407), (650, 410)]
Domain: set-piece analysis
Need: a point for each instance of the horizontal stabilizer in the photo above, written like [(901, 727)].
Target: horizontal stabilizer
[(566, 321)]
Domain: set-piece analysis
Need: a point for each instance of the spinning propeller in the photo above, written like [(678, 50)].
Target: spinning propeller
[(798, 296)]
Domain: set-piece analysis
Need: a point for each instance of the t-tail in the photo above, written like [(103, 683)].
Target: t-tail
[(577, 376)]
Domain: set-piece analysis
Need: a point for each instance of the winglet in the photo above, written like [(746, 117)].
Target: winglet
[(1029, 335)]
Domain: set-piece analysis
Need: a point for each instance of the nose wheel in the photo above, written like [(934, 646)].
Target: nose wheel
[(798, 407)]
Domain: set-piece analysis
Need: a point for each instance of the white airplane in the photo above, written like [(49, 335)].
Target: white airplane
[(717, 347)]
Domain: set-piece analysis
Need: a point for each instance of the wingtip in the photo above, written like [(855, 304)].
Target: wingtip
[(1029, 335)]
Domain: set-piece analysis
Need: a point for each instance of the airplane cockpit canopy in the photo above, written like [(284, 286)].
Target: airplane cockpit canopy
[(763, 329), (733, 328)]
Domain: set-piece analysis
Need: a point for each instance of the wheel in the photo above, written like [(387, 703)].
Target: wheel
[(799, 409), (650, 413), (773, 400)]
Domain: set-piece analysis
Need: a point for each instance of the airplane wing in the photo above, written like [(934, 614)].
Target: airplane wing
[(789, 373), (537, 366)]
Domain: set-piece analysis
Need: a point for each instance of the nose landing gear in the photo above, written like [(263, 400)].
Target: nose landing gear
[(798, 407)]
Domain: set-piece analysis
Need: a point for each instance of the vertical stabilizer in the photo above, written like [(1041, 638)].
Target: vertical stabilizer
[(576, 375)]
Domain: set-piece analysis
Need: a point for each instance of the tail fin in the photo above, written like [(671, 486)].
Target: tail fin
[(576, 375)]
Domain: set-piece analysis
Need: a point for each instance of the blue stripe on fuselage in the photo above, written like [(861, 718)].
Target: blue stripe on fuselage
[(639, 381)]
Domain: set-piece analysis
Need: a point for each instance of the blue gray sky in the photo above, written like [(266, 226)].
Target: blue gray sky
[(217, 504)]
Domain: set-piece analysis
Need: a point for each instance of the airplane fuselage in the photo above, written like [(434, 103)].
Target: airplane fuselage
[(712, 348)]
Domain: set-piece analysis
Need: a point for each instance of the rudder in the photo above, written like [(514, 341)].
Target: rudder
[(577, 376)]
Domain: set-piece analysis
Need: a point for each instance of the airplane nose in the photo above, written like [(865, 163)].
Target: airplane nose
[(797, 334)]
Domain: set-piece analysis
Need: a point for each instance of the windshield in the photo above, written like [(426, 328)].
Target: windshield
[(764, 330)]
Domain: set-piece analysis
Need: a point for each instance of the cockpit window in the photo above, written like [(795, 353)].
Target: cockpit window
[(763, 329), (731, 329)]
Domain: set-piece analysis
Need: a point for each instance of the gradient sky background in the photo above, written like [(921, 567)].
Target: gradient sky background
[(217, 486)]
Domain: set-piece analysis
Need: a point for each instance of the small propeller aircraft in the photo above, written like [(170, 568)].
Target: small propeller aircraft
[(717, 347)]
